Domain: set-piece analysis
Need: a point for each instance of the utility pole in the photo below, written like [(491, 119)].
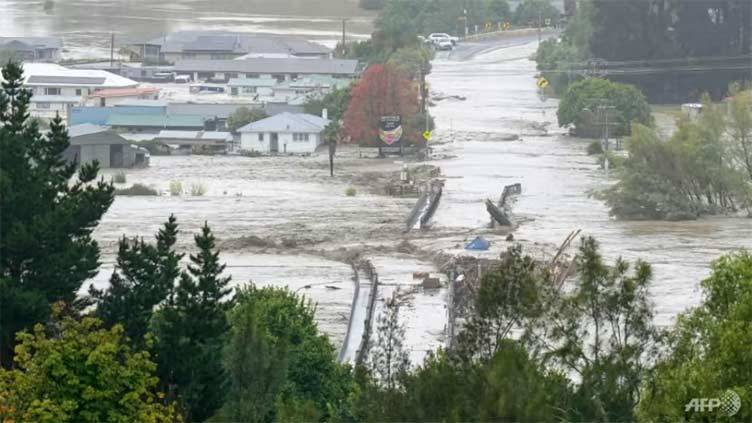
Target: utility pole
[(344, 38), (540, 18), (112, 49)]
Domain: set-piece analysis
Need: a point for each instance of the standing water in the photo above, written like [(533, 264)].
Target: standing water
[(557, 176)]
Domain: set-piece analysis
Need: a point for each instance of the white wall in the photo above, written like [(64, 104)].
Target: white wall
[(249, 142)]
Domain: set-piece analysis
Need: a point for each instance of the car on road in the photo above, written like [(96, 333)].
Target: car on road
[(443, 45), (437, 37)]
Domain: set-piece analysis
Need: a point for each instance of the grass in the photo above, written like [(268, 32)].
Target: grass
[(351, 192), (198, 190), (136, 190), (119, 178), (176, 188)]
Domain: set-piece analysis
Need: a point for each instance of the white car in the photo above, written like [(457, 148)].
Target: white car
[(437, 37), (443, 44)]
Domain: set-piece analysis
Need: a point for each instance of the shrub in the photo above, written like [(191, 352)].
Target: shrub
[(580, 103), (198, 190), (351, 192), (136, 190), (594, 148), (119, 178), (176, 188)]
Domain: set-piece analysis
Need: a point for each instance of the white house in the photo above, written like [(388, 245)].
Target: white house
[(298, 133), (56, 88)]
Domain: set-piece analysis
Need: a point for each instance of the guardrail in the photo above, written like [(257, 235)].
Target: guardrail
[(370, 272)]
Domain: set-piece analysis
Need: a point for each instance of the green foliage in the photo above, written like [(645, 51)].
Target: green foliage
[(48, 215), (498, 11), (535, 12), (579, 106), (740, 126), (595, 147), (413, 59), (198, 190), (144, 276), (76, 371), (119, 178), (371, 4), (137, 190), (708, 350), (335, 103), (275, 357), (351, 192), (690, 174), (190, 329), (243, 116), (389, 361)]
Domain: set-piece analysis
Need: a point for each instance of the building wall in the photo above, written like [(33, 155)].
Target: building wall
[(48, 110), (64, 91), (249, 141), (100, 153)]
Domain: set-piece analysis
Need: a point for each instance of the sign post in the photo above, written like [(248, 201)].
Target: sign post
[(390, 132)]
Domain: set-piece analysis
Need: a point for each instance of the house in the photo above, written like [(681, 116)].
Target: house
[(219, 45), (284, 133), (147, 73), (93, 142), (252, 87), (279, 69), (114, 96), (313, 86), (33, 49), (56, 88)]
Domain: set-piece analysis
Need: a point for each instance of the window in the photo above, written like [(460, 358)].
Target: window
[(299, 137), (78, 91), (43, 105), (52, 91), (261, 136)]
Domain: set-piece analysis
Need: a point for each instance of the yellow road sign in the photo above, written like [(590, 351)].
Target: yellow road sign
[(542, 82), (427, 135)]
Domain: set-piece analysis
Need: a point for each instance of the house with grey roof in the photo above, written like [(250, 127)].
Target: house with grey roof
[(90, 143), (296, 133), (279, 69), (33, 49), (218, 45)]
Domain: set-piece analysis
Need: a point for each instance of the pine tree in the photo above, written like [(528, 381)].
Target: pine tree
[(144, 277), (190, 329), (46, 248), (389, 360)]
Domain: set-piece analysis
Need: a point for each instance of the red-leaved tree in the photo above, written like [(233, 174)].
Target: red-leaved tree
[(383, 90)]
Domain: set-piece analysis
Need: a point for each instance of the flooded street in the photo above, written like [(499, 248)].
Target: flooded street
[(86, 25), (556, 175)]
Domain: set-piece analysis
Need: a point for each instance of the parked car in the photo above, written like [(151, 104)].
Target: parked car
[(441, 36), (182, 79), (443, 45)]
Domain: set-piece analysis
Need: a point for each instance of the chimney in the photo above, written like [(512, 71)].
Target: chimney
[(325, 114)]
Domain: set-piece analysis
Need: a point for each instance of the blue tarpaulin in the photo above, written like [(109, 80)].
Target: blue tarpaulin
[(479, 243)]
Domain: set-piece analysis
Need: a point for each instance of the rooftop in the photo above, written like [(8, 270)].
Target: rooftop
[(28, 42), (56, 75), (137, 102), (234, 42), (252, 82), (267, 66), (125, 92), (86, 129), (287, 122), (194, 135)]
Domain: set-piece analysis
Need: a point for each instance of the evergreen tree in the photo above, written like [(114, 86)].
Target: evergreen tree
[(389, 360), (190, 329), (144, 276), (46, 248)]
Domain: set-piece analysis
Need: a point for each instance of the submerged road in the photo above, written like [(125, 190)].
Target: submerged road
[(557, 176)]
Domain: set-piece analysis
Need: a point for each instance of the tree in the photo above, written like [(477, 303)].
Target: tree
[(190, 330), (371, 4), (708, 350), (580, 103), (382, 91), (144, 276), (243, 116), (388, 359), (602, 331), (76, 371), (535, 13), (413, 60), (277, 357), (46, 248), (335, 103), (740, 125), (498, 11)]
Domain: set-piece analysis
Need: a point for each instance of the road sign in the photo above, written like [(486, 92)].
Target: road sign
[(542, 82), (427, 135)]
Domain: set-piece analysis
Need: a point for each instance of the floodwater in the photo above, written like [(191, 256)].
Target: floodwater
[(557, 176), (86, 25)]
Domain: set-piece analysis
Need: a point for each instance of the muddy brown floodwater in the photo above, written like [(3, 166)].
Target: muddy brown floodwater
[(556, 174)]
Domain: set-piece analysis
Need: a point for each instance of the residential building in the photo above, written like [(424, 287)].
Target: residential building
[(92, 142), (33, 49), (252, 87), (216, 45), (56, 88), (279, 69), (151, 122), (193, 141), (297, 133), (114, 96)]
